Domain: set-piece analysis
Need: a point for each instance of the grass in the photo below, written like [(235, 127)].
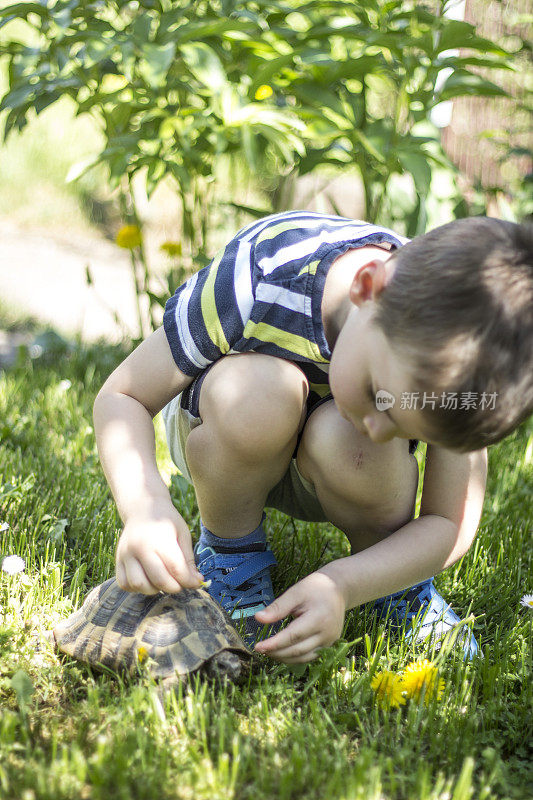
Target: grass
[(67, 732)]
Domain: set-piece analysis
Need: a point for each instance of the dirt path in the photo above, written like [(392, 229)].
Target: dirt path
[(43, 274)]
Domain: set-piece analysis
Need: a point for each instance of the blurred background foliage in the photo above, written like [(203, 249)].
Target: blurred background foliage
[(233, 104)]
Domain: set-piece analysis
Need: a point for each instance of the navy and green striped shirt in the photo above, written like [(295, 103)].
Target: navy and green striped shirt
[(263, 293)]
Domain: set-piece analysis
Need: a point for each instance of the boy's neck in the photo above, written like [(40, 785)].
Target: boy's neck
[(336, 303)]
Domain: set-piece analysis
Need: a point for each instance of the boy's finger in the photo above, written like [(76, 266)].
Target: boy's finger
[(183, 564), (293, 634), (178, 560), (284, 605), (169, 572), (179, 571), (120, 574), (136, 578), (297, 651), (159, 575)]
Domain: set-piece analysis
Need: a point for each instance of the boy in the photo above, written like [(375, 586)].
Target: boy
[(429, 340)]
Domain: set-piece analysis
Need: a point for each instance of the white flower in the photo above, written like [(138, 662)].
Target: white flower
[(527, 601), (4, 526), (64, 386), (13, 564)]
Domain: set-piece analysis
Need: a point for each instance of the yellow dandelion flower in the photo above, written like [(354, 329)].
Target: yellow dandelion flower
[(142, 654), (422, 676), (172, 248), (388, 688), (129, 237), (263, 92)]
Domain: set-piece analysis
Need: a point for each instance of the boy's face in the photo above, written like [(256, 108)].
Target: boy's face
[(369, 378), (364, 367)]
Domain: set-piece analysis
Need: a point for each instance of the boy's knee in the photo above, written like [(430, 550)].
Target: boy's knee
[(332, 450), (253, 401), (379, 481)]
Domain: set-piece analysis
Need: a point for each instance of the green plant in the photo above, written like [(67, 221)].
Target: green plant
[(374, 91), (288, 86)]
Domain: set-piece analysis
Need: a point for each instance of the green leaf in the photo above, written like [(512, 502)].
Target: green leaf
[(156, 62), (264, 74), (461, 82), (457, 34), (23, 687), (141, 29), (17, 97), (298, 670), (157, 299), (16, 119), (205, 65), (456, 62), (417, 165), (45, 100), (21, 10), (250, 146), (198, 31), (97, 50), (181, 175), (370, 148), (257, 213)]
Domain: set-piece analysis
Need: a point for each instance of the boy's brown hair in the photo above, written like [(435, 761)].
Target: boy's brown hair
[(459, 307)]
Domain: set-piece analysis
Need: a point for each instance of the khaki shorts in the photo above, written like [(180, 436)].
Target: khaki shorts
[(293, 495)]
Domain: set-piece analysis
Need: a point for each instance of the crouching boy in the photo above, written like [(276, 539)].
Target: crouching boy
[(298, 371)]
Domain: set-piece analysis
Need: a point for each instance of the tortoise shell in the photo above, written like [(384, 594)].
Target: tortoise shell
[(179, 633)]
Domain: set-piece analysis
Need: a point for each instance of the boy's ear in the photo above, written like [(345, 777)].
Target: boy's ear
[(370, 280)]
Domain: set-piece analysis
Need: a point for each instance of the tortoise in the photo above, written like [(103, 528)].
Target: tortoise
[(174, 634)]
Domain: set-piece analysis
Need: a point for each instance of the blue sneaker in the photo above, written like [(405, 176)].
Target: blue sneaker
[(239, 571), (426, 616)]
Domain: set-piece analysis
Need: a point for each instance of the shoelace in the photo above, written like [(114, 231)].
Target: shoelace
[(242, 583)]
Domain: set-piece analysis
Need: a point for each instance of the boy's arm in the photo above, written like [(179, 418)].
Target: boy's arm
[(155, 551), (452, 500)]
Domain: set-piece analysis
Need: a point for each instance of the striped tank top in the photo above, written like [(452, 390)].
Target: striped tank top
[(263, 293)]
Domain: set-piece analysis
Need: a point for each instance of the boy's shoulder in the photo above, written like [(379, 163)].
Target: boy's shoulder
[(290, 227)]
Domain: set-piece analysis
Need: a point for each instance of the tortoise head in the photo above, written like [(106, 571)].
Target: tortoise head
[(228, 664)]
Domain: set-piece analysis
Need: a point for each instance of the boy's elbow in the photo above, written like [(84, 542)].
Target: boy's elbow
[(104, 400), (465, 545), (98, 405), (110, 400), (103, 393), (464, 541)]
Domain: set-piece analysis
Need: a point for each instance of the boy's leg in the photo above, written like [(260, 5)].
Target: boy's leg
[(368, 491), (252, 407)]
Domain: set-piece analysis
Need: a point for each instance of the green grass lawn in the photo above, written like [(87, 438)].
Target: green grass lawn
[(68, 732)]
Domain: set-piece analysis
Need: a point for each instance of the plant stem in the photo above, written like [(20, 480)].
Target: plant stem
[(123, 197), (143, 259), (138, 292)]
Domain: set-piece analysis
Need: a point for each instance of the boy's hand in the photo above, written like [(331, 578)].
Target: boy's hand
[(155, 553), (318, 607)]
